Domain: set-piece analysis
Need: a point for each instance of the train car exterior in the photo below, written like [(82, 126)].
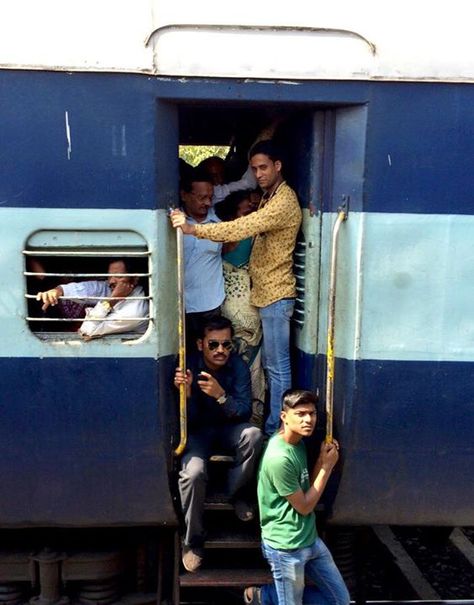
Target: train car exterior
[(89, 165)]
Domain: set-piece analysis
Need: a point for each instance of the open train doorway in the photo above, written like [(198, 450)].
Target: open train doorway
[(316, 143), (305, 138), (324, 161)]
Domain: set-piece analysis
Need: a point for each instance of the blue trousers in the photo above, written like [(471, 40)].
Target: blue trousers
[(289, 569), (276, 355)]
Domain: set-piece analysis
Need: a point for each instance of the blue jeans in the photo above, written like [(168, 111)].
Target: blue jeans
[(289, 568), (276, 355)]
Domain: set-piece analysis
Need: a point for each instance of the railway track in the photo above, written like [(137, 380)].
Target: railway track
[(393, 565), (431, 565)]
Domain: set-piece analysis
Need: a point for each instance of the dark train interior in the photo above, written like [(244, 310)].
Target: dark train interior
[(239, 126)]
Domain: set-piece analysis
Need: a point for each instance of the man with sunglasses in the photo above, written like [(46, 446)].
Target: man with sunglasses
[(219, 408)]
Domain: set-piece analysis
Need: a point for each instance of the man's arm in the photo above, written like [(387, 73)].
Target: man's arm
[(237, 400), (279, 212), (126, 317), (83, 289), (50, 297), (179, 379), (305, 502), (248, 181)]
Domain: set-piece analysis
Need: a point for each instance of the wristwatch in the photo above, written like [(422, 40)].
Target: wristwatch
[(107, 306), (222, 399)]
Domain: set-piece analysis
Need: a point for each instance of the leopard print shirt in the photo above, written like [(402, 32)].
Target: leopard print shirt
[(275, 226)]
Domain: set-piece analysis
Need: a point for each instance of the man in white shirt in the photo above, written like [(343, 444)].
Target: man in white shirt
[(122, 308)]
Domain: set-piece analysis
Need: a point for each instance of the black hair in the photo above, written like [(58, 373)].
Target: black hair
[(195, 175), (267, 147), (215, 323), (227, 209), (294, 397), (184, 169), (131, 264), (212, 158)]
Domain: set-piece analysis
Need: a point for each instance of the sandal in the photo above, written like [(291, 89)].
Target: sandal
[(252, 595), (244, 510)]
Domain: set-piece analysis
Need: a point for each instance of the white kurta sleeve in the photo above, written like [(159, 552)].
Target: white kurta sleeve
[(125, 316)]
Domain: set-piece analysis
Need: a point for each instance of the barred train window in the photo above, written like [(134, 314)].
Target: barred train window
[(86, 269)]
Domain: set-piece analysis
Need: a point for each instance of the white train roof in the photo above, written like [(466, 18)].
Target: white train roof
[(297, 39)]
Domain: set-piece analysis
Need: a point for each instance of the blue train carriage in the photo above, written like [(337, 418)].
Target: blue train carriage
[(87, 428), (89, 144)]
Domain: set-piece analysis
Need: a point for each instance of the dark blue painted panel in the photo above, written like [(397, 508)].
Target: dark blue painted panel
[(406, 435), (123, 133), (112, 130), (84, 442), (420, 148)]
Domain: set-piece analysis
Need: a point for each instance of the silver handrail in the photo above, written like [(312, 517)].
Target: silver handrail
[(105, 253), (34, 296), (43, 274), (261, 28), (67, 319)]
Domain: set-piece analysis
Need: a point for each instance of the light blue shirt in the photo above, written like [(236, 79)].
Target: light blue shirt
[(203, 274)]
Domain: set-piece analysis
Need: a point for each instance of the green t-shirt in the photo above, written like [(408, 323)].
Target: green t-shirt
[(283, 471)]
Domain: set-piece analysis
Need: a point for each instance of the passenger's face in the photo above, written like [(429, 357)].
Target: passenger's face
[(244, 208), (214, 347), (198, 201), (255, 198), (119, 267), (216, 170), (267, 172), (300, 420)]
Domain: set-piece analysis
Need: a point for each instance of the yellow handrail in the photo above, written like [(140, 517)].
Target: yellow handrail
[(183, 416), (341, 217)]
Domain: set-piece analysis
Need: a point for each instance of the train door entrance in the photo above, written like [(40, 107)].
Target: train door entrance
[(232, 555), (317, 142), (306, 137)]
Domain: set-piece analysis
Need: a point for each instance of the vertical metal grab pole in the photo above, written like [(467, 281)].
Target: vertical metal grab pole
[(341, 217), (183, 420)]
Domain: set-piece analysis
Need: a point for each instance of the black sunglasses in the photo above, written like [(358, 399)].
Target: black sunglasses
[(214, 344)]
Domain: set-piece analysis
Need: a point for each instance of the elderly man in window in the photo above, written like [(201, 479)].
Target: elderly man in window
[(121, 310)]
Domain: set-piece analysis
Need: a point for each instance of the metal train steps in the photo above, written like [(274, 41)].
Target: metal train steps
[(227, 538), (216, 500), (232, 557), (225, 530), (225, 578)]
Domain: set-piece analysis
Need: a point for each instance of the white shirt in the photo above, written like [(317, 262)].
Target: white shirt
[(248, 181), (125, 316)]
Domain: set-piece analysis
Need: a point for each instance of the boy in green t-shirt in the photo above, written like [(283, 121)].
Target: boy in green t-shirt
[(287, 496)]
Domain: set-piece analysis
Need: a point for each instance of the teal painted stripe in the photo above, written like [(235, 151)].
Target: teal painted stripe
[(405, 287), (20, 224)]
